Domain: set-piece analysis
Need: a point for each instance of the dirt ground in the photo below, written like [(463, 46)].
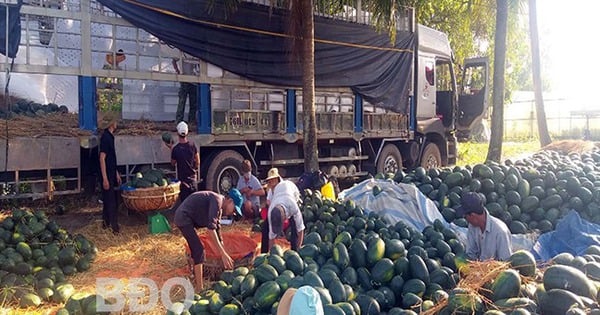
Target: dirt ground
[(134, 253)]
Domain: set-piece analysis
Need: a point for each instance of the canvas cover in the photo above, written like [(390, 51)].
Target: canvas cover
[(252, 41)]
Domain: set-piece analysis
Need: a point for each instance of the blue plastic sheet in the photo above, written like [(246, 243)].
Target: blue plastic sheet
[(572, 235)]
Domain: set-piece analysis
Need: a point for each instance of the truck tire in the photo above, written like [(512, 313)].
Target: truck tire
[(224, 171), (390, 159), (431, 156)]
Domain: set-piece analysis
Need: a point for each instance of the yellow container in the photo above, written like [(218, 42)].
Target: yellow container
[(327, 191)]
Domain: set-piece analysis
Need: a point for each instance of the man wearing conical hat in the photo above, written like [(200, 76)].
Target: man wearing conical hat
[(283, 206)]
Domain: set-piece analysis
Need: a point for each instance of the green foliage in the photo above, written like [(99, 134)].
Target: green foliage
[(471, 153), (469, 24), (110, 98)]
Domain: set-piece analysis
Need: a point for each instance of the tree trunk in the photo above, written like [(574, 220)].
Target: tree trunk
[(495, 148), (311, 154), (537, 77)]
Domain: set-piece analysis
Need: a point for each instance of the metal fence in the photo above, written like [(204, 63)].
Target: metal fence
[(559, 127), (564, 121)]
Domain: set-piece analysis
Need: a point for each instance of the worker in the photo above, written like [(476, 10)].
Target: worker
[(251, 189), (283, 206), (203, 209), (186, 89), (185, 156), (109, 174), (302, 301), (487, 236), (113, 61)]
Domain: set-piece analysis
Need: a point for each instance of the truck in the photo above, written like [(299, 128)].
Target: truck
[(381, 106)]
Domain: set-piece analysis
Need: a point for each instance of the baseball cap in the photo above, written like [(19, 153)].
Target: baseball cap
[(182, 129), (276, 217), (471, 202), (237, 198)]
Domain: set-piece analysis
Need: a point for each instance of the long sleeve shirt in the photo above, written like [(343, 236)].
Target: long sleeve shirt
[(492, 243)]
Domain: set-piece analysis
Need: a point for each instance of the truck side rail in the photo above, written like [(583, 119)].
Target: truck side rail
[(39, 167), (245, 121)]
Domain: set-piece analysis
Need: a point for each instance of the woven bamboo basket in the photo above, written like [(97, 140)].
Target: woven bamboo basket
[(151, 199)]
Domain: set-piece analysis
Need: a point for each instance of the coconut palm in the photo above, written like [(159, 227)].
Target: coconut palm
[(495, 147), (537, 77)]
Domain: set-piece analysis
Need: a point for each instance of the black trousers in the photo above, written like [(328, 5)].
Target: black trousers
[(264, 240), (109, 208), (186, 189), (187, 89), (194, 243)]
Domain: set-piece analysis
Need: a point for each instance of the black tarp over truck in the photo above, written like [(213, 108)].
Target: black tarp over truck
[(380, 106)]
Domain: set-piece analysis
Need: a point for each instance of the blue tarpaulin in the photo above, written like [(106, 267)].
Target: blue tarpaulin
[(572, 235)]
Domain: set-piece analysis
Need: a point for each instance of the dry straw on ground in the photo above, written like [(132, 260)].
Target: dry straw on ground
[(572, 146), (133, 254), (474, 276)]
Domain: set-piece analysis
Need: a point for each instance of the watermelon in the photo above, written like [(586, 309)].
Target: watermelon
[(524, 262)]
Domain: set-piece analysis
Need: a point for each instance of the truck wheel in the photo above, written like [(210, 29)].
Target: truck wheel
[(390, 159), (431, 156), (223, 172)]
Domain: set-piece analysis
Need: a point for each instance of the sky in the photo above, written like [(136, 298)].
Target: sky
[(569, 40)]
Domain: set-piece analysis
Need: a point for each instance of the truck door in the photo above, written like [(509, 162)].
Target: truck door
[(472, 98), (426, 87)]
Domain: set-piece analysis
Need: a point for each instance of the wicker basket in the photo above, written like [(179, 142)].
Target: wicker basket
[(151, 199)]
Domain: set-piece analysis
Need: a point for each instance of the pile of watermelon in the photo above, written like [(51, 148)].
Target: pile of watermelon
[(357, 262), (31, 109), (566, 285), (149, 178), (533, 193), (36, 257), (361, 265)]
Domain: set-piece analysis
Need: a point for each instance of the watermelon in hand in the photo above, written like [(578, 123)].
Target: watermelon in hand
[(167, 137)]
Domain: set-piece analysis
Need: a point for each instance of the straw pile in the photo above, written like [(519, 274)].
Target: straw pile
[(53, 124), (572, 146), (474, 276), (67, 125), (144, 127)]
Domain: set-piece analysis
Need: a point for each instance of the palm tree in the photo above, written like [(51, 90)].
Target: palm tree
[(302, 21), (537, 78), (495, 147), (302, 13)]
